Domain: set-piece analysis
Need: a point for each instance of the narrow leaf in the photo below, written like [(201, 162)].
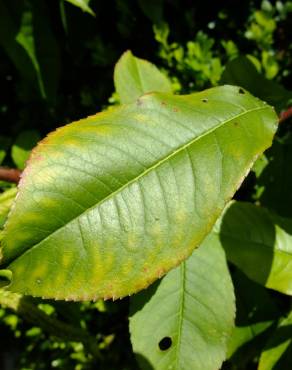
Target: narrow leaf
[(259, 243), (186, 321), (30, 44), (109, 204), (82, 4), (135, 77)]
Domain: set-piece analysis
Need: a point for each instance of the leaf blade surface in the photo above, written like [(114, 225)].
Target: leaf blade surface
[(193, 307), (108, 204)]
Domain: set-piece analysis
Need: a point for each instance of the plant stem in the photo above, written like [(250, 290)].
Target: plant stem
[(30, 312), (10, 174), (285, 115)]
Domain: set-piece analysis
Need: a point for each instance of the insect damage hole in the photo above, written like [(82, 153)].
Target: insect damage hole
[(205, 100), (165, 343), (241, 91)]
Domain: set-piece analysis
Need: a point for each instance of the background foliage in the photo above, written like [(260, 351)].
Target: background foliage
[(56, 66)]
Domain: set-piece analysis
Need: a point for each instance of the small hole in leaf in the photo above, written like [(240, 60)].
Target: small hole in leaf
[(241, 91), (165, 343), (205, 100)]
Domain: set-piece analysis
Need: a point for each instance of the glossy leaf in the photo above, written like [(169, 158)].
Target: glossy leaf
[(185, 321), (259, 243), (135, 77), (22, 146), (6, 200), (242, 72), (278, 352), (82, 4), (108, 204)]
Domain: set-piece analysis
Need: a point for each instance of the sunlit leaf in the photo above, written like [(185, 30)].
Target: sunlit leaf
[(6, 200), (108, 204), (135, 77), (82, 4)]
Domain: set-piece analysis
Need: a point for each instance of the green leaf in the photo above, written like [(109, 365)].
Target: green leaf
[(275, 179), (135, 77), (256, 314), (5, 142), (21, 149), (26, 37), (6, 200), (108, 204), (185, 322), (259, 243), (82, 4), (242, 72), (278, 352)]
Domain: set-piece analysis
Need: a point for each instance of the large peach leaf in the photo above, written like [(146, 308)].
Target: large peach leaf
[(108, 204)]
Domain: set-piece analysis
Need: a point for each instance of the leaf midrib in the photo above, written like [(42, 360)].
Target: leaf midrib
[(181, 310), (144, 173)]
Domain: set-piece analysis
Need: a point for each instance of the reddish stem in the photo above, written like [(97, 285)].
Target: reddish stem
[(285, 115), (10, 174)]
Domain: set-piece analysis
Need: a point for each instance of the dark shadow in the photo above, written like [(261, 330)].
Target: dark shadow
[(143, 362), (137, 303), (248, 235), (256, 311), (276, 178), (140, 299)]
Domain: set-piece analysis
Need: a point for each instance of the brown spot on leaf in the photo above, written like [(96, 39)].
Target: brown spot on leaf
[(160, 272)]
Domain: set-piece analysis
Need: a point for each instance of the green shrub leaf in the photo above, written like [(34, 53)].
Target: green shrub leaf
[(242, 72), (82, 4), (278, 352), (22, 146), (6, 200), (135, 77), (256, 313), (185, 321), (108, 204), (260, 244)]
